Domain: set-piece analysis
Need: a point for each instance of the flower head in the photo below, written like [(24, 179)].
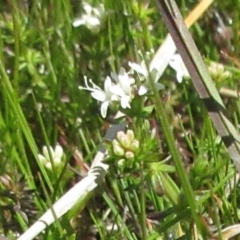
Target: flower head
[(51, 156), (118, 91), (105, 96), (145, 75), (123, 87), (92, 18), (178, 65)]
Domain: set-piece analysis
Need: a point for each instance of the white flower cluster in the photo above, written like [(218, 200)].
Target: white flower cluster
[(120, 90), (121, 87), (145, 75), (92, 18)]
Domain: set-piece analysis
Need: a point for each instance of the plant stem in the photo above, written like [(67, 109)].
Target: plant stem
[(143, 209)]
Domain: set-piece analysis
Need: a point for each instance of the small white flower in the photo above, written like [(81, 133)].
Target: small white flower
[(56, 155), (92, 18), (106, 96), (178, 65), (123, 87), (139, 68), (145, 75), (124, 81), (121, 90)]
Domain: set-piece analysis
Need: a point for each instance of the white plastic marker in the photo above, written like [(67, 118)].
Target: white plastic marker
[(98, 169)]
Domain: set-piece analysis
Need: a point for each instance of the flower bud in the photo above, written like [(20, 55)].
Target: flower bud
[(121, 162), (130, 135), (117, 149), (134, 145), (51, 156), (48, 165), (157, 185), (115, 143), (123, 139), (218, 71), (129, 155)]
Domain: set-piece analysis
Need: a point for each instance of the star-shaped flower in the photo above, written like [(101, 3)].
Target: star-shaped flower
[(123, 87), (105, 96), (145, 76), (92, 18)]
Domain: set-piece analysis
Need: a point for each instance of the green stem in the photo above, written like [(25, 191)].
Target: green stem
[(11, 98), (143, 209), (16, 29), (187, 189)]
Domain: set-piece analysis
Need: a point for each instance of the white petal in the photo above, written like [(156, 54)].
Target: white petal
[(99, 11), (87, 8), (117, 90), (99, 95), (114, 97), (58, 151), (142, 90), (42, 159), (122, 75), (114, 76), (45, 150), (48, 165), (107, 83), (179, 77), (46, 153), (92, 22), (138, 68), (104, 108), (131, 81), (107, 86), (125, 81), (78, 22), (125, 102), (57, 161)]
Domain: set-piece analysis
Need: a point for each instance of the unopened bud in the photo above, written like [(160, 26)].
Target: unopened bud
[(123, 139), (117, 149), (130, 135), (134, 145), (129, 155), (121, 162)]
